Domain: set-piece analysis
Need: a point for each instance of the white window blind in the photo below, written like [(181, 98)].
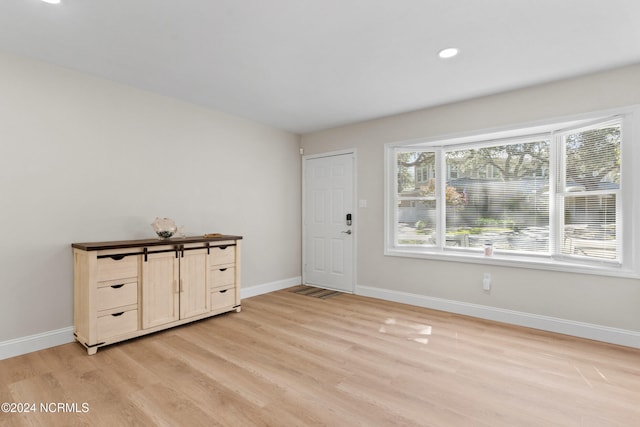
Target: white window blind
[(499, 196), (589, 191), (546, 195)]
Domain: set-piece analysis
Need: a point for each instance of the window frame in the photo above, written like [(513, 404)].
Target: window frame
[(563, 194), (627, 196)]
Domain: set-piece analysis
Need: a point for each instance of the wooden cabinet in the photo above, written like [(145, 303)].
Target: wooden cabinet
[(175, 285), (222, 277), (131, 288), (161, 304), (193, 285)]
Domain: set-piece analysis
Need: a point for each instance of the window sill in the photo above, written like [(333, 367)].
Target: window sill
[(516, 261)]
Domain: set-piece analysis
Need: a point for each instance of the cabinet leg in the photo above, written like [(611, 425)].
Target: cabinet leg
[(92, 350), (238, 309)]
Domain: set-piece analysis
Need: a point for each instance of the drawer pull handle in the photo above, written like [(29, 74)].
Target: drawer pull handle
[(118, 314), (117, 257), (222, 248), (117, 286), (223, 269), (223, 291)]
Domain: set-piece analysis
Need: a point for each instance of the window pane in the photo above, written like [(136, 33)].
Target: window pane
[(416, 215), (593, 159), (590, 226), (592, 164), (499, 195)]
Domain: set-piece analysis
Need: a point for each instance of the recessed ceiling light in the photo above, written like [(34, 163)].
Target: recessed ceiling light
[(449, 52), (52, 1)]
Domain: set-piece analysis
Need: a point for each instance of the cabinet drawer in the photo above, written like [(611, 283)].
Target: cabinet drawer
[(114, 268), (219, 277), (111, 325), (223, 298), (223, 255), (117, 295)]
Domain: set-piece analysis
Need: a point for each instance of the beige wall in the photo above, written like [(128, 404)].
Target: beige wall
[(84, 159), (606, 301)]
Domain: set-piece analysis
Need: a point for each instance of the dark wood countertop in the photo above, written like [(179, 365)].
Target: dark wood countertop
[(121, 244)]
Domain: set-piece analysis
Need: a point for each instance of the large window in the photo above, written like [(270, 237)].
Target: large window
[(549, 195)]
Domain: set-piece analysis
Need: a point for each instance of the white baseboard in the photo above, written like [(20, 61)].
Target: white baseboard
[(545, 323), (24, 345), (269, 287), (28, 344)]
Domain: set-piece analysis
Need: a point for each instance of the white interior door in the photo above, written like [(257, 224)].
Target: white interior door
[(328, 237)]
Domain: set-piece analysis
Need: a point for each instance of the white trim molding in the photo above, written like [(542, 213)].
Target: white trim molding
[(265, 288), (44, 340), (28, 344), (546, 323)]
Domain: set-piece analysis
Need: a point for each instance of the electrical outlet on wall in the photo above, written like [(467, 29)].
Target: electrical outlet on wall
[(486, 282)]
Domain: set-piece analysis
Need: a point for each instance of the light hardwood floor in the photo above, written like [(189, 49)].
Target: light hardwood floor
[(293, 360)]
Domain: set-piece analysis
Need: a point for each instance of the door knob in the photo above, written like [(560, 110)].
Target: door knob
[(347, 232)]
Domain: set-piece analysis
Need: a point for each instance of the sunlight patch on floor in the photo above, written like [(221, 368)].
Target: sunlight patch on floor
[(416, 332)]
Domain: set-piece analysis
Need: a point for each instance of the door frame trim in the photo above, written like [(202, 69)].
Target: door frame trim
[(354, 256)]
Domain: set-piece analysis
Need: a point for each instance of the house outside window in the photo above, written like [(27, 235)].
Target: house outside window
[(549, 195)]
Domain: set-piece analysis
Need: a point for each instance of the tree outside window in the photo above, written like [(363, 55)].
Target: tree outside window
[(499, 192)]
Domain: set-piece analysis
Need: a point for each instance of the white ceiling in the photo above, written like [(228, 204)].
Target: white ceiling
[(306, 65)]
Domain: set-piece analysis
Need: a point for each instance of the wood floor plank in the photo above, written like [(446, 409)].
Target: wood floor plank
[(289, 359)]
